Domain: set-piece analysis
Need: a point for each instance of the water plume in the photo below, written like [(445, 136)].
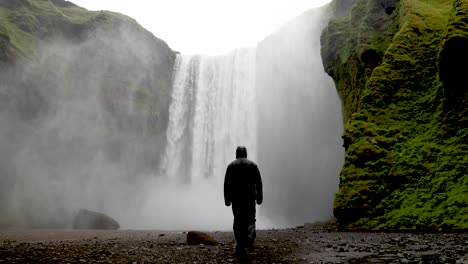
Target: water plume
[(276, 100)]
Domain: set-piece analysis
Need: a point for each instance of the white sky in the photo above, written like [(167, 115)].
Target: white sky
[(207, 26)]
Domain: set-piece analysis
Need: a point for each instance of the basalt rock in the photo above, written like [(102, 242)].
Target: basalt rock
[(104, 80), (399, 68), (86, 219), (197, 238)]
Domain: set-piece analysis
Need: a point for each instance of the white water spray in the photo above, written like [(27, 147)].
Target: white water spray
[(277, 101), (93, 139), (213, 111)]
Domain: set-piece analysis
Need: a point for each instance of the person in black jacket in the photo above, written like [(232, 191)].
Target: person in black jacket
[(242, 188)]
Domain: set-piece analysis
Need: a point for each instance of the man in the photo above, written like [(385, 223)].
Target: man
[(242, 188)]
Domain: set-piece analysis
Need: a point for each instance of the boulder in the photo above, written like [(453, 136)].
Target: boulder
[(197, 238), (86, 219)]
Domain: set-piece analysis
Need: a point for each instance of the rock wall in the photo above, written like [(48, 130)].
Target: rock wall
[(398, 68), (84, 102)]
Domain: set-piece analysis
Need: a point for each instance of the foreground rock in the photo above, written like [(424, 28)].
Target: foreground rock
[(197, 238), (86, 219)]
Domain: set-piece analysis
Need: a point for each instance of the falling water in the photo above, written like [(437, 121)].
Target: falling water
[(86, 132), (276, 100), (213, 110)]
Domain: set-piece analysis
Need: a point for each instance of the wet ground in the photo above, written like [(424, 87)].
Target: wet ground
[(297, 245)]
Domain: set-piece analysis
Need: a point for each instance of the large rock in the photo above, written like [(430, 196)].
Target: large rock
[(86, 219), (197, 238), (61, 68), (399, 68)]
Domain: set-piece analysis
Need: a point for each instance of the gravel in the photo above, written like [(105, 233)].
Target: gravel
[(296, 245)]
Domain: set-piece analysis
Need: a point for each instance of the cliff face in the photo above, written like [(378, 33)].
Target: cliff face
[(398, 68), (130, 60), (84, 102)]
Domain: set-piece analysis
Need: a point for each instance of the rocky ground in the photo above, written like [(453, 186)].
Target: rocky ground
[(297, 245)]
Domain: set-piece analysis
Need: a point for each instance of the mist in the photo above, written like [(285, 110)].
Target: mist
[(116, 124), (300, 124), (276, 100), (82, 122)]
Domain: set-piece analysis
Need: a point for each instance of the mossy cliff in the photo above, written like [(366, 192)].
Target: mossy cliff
[(399, 68), (49, 48), (84, 102), (29, 27), (24, 23)]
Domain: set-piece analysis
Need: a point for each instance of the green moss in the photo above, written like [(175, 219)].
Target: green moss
[(406, 142), (24, 24)]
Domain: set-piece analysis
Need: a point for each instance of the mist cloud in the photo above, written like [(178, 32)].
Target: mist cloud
[(84, 126)]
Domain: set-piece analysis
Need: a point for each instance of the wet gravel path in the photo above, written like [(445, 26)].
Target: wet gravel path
[(298, 245)]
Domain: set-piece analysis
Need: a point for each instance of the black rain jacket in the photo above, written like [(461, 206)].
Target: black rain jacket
[(242, 183)]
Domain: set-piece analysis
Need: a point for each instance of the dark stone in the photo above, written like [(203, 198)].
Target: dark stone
[(197, 238), (86, 219)]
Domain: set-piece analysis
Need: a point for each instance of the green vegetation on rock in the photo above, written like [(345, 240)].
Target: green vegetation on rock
[(82, 92), (24, 23), (397, 66), (113, 41)]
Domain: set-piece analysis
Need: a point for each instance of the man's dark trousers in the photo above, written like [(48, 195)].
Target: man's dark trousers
[(244, 224)]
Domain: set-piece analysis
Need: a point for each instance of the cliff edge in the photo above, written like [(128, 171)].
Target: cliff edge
[(84, 103), (399, 69)]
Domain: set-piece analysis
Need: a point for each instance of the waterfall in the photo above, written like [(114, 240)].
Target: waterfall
[(276, 100), (213, 111), (90, 125)]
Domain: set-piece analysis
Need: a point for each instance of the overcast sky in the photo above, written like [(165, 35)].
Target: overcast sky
[(207, 26)]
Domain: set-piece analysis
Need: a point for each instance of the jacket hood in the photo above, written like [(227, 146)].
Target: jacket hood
[(241, 152)]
